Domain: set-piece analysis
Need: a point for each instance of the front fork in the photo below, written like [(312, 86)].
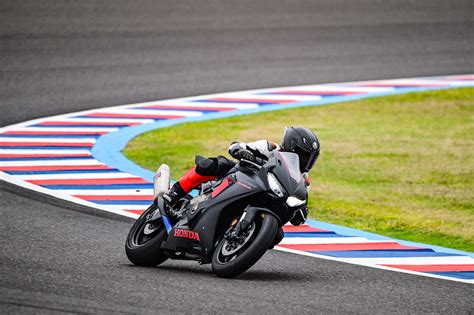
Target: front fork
[(247, 218), (167, 223), (161, 214)]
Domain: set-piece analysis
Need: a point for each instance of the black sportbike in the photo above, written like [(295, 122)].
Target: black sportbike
[(230, 223)]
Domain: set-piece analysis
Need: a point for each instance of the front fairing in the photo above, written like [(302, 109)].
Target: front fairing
[(286, 169), (235, 186)]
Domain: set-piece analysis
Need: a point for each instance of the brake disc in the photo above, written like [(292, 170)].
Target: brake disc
[(228, 249)]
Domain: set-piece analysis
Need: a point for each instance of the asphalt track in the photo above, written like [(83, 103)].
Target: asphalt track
[(59, 57)]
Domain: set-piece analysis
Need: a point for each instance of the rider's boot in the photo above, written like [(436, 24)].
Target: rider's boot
[(172, 198), (194, 177)]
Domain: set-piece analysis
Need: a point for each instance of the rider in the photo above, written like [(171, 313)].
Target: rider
[(299, 140)]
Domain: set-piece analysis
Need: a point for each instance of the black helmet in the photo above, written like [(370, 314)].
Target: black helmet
[(303, 142)]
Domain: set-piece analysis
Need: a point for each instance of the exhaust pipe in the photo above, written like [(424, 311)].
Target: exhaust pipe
[(161, 181)]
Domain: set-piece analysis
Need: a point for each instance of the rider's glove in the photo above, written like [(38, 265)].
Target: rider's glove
[(245, 154), (300, 216)]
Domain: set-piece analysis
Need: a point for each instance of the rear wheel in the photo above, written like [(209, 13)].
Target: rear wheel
[(144, 240), (236, 254)]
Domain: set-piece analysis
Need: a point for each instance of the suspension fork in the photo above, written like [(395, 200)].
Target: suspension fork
[(161, 214), (248, 216), (167, 223)]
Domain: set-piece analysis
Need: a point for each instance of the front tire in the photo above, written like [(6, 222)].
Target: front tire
[(144, 240), (229, 260)]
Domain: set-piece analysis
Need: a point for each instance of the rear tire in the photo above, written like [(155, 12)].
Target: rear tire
[(263, 229), (142, 249)]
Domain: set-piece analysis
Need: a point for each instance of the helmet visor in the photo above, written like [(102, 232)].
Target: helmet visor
[(307, 159)]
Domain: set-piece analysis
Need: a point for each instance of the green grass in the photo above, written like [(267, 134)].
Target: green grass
[(400, 166)]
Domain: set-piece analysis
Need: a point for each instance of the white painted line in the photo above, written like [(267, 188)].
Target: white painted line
[(325, 240), (461, 83), (296, 98), (436, 260), (51, 140), (42, 151), (50, 163), (207, 104), (338, 88), (459, 77), (102, 120), (414, 82), (71, 129), (150, 112), (75, 176), (197, 105)]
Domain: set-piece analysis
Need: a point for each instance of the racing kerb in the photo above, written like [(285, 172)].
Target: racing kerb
[(77, 157)]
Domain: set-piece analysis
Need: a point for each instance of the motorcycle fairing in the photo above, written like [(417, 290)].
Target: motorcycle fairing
[(216, 213), (182, 238), (238, 186)]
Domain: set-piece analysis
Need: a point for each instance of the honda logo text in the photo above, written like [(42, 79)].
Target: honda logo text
[(187, 234)]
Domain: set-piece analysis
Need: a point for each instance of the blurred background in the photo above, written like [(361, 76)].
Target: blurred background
[(63, 56)]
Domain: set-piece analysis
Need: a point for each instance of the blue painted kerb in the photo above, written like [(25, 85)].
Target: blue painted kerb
[(108, 150)]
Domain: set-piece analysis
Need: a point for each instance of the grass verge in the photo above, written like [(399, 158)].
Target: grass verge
[(400, 166)]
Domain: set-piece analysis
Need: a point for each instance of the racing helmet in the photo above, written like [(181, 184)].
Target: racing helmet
[(303, 142)]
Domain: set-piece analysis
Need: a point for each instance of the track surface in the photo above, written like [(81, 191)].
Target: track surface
[(70, 261), (58, 57)]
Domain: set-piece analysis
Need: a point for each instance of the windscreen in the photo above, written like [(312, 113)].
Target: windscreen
[(292, 162)]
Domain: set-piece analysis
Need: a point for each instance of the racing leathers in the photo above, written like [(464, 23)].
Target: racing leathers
[(212, 168)]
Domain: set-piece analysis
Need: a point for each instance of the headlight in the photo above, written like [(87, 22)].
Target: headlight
[(294, 202), (275, 185)]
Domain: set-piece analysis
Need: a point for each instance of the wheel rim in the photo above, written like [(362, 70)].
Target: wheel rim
[(146, 230), (231, 248)]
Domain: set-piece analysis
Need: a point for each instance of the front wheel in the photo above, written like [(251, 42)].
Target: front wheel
[(144, 240), (234, 255)]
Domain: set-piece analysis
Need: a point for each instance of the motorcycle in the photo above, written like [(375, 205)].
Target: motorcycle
[(231, 223)]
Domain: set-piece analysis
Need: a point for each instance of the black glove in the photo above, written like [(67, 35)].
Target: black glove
[(300, 216), (245, 154)]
